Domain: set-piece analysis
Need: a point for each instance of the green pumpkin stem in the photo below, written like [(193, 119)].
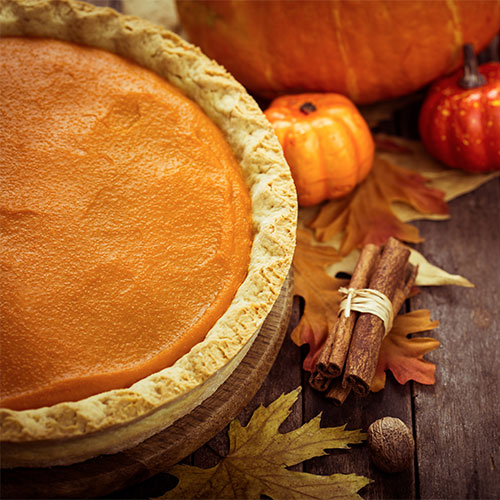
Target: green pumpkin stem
[(307, 108), (471, 78)]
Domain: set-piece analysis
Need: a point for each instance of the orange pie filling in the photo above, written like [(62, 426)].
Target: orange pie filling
[(125, 223)]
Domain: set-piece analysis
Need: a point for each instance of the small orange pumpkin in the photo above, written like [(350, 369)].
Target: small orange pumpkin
[(326, 142)]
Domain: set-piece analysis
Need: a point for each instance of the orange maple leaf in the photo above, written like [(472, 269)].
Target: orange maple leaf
[(365, 215), (405, 356), (320, 292)]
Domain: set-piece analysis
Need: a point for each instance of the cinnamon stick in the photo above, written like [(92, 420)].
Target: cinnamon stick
[(334, 353), (368, 332), (403, 291), (318, 381), (337, 392), (322, 365)]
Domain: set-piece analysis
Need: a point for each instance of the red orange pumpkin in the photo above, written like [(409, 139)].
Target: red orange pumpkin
[(459, 121), (366, 50), (326, 142)]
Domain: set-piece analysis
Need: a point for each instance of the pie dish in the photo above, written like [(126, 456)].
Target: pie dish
[(49, 426)]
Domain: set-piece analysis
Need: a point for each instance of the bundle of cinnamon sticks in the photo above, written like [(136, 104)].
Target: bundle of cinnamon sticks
[(349, 356)]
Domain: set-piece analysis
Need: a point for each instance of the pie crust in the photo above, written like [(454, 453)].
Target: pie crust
[(115, 420)]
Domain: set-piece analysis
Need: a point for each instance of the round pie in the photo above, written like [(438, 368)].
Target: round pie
[(147, 226)]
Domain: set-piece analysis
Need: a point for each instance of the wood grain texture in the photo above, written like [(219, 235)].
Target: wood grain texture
[(359, 413), (284, 377), (458, 419), (455, 422), (106, 474)]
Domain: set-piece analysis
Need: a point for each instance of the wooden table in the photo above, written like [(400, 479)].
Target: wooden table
[(456, 423)]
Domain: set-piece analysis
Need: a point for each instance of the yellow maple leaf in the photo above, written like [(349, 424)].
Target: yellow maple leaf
[(258, 457), (365, 215), (405, 356), (320, 292)]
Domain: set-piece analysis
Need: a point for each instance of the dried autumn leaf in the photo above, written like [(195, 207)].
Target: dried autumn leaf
[(428, 274), (431, 275), (412, 155), (319, 291), (315, 267), (365, 215), (258, 457), (405, 356)]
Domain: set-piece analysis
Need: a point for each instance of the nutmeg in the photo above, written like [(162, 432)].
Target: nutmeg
[(391, 444)]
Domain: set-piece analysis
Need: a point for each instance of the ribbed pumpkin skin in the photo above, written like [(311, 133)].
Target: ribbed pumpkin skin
[(328, 145), (461, 127), (366, 50)]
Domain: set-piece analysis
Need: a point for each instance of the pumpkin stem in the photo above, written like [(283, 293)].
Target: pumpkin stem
[(307, 107), (471, 78)]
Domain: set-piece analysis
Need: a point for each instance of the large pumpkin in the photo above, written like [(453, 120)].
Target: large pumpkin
[(366, 50)]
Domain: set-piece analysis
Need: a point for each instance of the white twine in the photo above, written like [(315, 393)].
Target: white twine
[(367, 300)]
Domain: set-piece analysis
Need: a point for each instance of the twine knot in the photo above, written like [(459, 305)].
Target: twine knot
[(367, 300)]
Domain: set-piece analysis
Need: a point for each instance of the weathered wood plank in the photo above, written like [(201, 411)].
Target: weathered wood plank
[(458, 419), (394, 401), (284, 376)]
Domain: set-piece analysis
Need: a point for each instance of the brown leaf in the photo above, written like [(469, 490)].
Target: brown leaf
[(258, 457), (365, 216), (412, 155), (319, 291), (405, 356)]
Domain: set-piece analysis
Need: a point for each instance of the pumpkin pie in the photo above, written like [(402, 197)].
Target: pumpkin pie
[(147, 225)]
